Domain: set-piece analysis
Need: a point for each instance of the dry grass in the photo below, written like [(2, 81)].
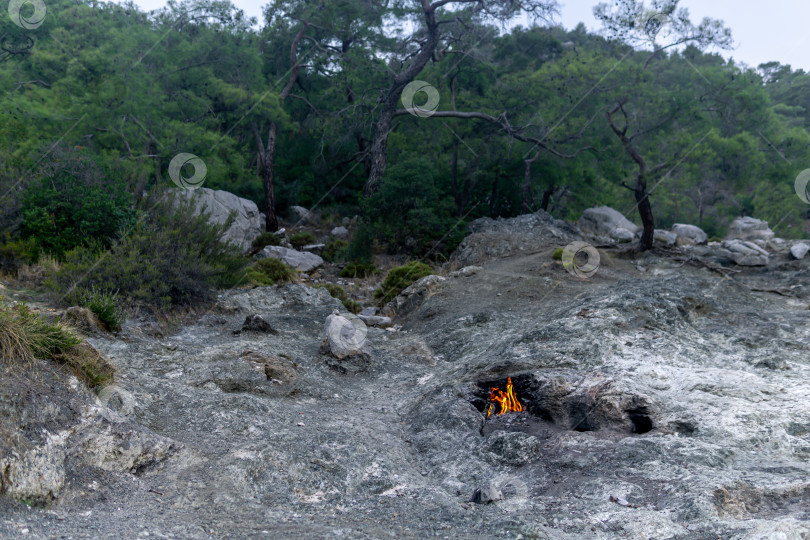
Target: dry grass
[(24, 337)]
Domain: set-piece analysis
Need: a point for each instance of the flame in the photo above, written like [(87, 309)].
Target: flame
[(507, 400)]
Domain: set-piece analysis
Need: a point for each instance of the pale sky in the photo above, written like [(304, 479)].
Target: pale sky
[(763, 31)]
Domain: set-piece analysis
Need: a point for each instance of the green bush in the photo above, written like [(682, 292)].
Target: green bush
[(361, 248), (16, 252), (263, 240), (73, 203), (103, 303), (358, 270), (340, 293), (557, 255), (271, 271), (301, 239), (172, 258), (25, 336), (334, 250), (398, 279)]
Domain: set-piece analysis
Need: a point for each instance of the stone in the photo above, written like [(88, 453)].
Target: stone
[(689, 234), (748, 228), (275, 368), (299, 260), (344, 336), (413, 296), (254, 323), (466, 271), (486, 495), (247, 224), (340, 232), (377, 321), (798, 251), (746, 253), (303, 216), (622, 235), (602, 220), (665, 237), (370, 311), (511, 447)]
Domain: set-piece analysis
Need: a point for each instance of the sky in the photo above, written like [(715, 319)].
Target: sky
[(762, 31)]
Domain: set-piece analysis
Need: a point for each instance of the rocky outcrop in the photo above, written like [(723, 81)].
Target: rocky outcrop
[(746, 253), (299, 260), (413, 296), (602, 220), (689, 234), (748, 228), (247, 224)]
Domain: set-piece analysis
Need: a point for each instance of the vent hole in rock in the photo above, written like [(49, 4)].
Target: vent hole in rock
[(642, 423)]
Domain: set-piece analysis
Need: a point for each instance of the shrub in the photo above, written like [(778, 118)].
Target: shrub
[(103, 303), (358, 269), (398, 279), (334, 250), (263, 240), (301, 239), (271, 271), (173, 257), (72, 203), (557, 255), (361, 247), (340, 293), (13, 253), (25, 336)]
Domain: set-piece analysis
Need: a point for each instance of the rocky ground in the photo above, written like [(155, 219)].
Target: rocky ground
[(668, 396)]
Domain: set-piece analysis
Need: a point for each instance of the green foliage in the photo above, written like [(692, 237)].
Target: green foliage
[(17, 251), (263, 240), (25, 336), (172, 258), (271, 271), (557, 255), (398, 279), (74, 203), (301, 239), (340, 293), (358, 270), (361, 247), (334, 250), (103, 303)]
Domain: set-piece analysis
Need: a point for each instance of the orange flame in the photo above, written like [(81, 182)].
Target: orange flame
[(507, 400)]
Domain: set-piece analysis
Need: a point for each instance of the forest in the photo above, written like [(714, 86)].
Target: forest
[(310, 107)]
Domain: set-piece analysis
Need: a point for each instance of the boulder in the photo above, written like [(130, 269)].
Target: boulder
[(300, 260), (303, 216), (275, 368), (602, 220), (689, 234), (799, 250), (665, 237), (746, 253), (622, 235), (344, 336), (376, 320), (254, 323), (247, 224), (370, 311), (413, 296), (748, 228), (340, 232)]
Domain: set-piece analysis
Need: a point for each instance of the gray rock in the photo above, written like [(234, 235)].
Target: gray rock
[(370, 311), (344, 336), (689, 234), (254, 323), (486, 495), (511, 447), (247, 224), (340, 232), (299, 260), (746, 253), (303, 216), (376, 320), (601, 220), (275, 368), (665, 237), (622, 235), (748, 228), (799, 250), (413, 296), (466, 271)]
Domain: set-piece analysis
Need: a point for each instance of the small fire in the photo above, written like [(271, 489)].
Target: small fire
[(507, 400)]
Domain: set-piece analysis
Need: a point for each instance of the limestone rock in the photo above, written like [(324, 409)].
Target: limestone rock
[(340, 232), (602, 220), (689, 234), (748, 228), (344, 336), (219, 204), (746, 253), (799, 250), (622, 235), (300, 260)]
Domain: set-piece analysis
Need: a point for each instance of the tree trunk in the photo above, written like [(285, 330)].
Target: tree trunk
[(454, 178), (270, 218), (547, 197), (493, 196), (379, 151), (645, 212)]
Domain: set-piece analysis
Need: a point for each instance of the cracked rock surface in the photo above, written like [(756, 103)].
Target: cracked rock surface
[(666, 403)]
